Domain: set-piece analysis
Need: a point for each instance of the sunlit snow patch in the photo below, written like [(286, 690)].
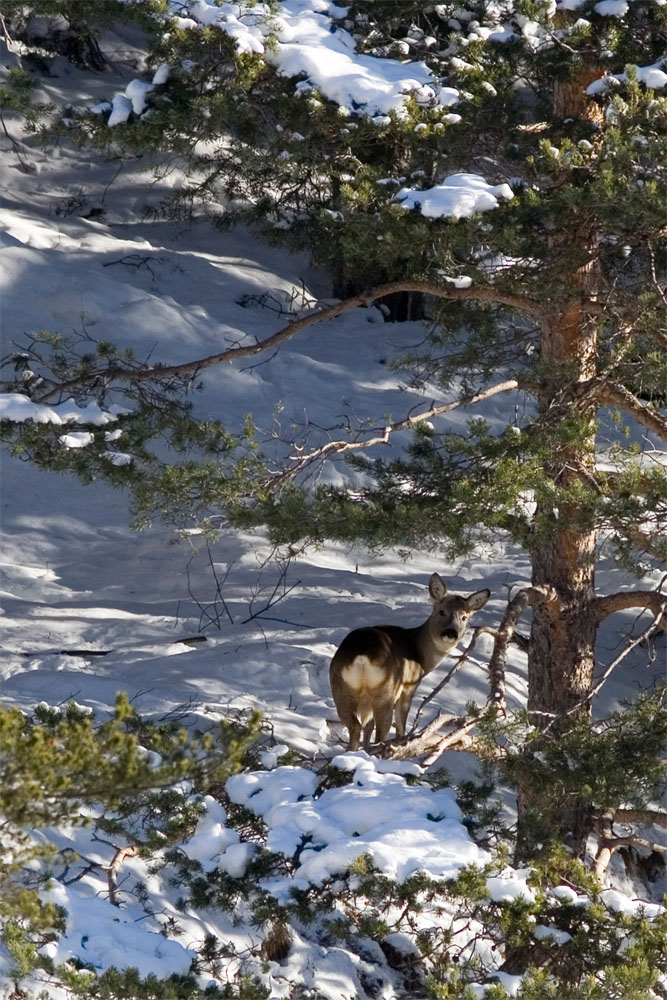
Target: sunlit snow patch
[(334, 829), (100, 936), (215, 845)]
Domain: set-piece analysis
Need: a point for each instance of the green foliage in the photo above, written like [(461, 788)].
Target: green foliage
[(460, 933), (61, 767), (585, 770), (129, 985), (17, 97), (589, 197)]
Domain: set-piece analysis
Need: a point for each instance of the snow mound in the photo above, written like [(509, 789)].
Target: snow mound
[(360, 819)]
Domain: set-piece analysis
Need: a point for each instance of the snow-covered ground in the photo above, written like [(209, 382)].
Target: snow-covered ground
[(76, 577)]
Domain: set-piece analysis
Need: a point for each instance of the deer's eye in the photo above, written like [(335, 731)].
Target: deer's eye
[(464, 617)]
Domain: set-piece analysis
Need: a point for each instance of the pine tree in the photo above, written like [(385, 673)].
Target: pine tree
[(558, 292)]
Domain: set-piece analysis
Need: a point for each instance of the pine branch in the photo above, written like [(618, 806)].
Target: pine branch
[(614, 394), (608, 841), (632, 841), (526, 597), (646, 817), (653, 600), (641, 540), (142, 373), (336, 447)]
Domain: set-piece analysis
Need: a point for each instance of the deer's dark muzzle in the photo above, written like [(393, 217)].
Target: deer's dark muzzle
[(450, 633)]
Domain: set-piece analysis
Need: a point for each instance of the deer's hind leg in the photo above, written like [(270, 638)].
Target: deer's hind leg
[(383, 712), (403, 708), (348, 712)]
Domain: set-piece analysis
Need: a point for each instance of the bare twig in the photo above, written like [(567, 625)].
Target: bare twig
[(459, 661), (210, 614), (621, 656), (275, 597), (615, 394)]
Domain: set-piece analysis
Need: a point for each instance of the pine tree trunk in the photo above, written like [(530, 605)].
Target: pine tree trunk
[(562, 640)]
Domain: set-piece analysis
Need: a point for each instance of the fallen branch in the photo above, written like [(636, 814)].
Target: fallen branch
[(425, 741), (430, 744), (188, 640)]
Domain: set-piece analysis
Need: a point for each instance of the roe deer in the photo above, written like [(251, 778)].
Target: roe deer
[(375, 671)]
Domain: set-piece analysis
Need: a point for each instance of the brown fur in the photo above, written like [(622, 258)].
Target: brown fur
[(376, 671)]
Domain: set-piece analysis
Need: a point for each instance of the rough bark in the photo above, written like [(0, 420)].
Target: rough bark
[(561, 657), (562, 640)]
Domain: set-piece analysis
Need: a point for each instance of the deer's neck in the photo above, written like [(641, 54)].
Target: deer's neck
[(430, 652)]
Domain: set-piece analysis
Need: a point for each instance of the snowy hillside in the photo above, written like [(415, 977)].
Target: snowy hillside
[(91, 608)]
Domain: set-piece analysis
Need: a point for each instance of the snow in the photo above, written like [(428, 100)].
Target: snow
[(18, 408), (651, 76), (459, 196), (544, 933), (77, 439), (357, 819), (309, 45), (101, 936), (618, 901), (75, 577), (611, 8), (510, 885), (121, 108), (564, 893)]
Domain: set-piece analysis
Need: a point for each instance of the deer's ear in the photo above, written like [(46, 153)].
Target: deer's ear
[(436, 587), (478, 599)]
